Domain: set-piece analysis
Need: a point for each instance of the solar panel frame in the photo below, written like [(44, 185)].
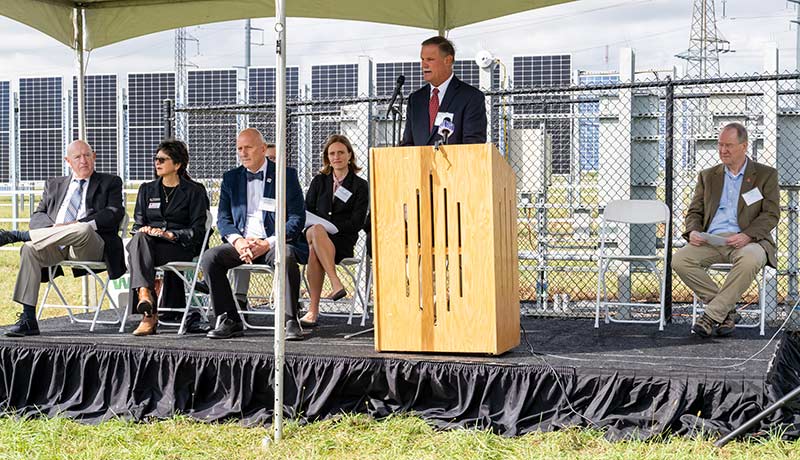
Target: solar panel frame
[(5, 131), (41, 128), (261, 85), (145, 105), (212, 137), (102, 123), (552, 70)]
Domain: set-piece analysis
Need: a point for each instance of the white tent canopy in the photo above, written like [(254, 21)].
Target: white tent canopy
[(112, 21)]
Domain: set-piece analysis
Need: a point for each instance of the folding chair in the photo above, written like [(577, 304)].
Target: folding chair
[(92, 268), (348, 265), (189, 272), (251, 269), (697, 306), (628, 212)]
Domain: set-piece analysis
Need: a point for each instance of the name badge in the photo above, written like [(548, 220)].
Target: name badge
[(441, 116), (154, 205), (343, 194), (267, 204), (753, 196)]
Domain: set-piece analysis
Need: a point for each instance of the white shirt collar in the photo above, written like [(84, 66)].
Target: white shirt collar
[(442, 87), (262, 168)]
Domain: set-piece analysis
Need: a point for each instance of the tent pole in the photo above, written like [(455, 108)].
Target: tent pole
[(280, 213), (79, 54)]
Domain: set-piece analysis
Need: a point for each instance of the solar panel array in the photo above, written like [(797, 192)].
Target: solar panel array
[(41, 128), (261, 86), (5, 130), (589, 126), (101, 118), (146, 94), (328, 82), (546, 71), (212, 138)]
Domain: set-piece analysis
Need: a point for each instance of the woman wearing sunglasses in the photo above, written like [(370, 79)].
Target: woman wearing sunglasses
[(169, 225)]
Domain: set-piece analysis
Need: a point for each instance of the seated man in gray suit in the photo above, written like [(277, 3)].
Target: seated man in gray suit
[(78, 218)]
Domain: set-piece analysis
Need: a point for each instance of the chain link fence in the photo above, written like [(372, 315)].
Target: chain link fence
[(573, 150)]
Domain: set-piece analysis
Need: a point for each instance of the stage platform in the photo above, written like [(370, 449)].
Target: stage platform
[(630, 380)]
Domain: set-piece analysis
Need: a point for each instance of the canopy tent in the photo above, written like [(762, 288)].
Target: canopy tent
[(89, 24), (112, 21)]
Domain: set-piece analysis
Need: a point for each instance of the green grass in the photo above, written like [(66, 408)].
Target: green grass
[(346, 437)]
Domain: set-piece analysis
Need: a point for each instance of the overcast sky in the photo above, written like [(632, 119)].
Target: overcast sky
[(592, 31)]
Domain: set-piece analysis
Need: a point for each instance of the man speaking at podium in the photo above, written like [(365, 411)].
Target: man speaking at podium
[(445, 98)]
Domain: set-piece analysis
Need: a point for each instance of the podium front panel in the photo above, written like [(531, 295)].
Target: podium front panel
[(444, 250)]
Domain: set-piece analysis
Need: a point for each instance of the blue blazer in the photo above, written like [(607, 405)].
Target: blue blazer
[(465, 102), (232, 214)]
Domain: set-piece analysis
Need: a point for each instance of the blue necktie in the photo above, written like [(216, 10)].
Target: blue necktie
[(74, 203), (255, 176)]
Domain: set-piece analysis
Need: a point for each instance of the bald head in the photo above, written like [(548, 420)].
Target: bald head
[(80, 158), (252, 149)]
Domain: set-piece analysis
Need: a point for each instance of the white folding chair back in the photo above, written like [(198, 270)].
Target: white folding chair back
[(631, 212), (91, 268), (189, 272)]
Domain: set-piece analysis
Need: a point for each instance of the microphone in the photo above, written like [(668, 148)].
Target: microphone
[(446, 128), (397, 88)]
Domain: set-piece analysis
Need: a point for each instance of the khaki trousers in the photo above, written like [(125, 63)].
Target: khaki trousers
[(49, 246), (690, 263)]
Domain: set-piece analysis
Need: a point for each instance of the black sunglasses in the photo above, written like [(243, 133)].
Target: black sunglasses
[(160, 160)]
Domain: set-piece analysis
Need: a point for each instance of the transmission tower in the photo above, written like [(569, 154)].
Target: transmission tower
[(705, 42), (182, 65)]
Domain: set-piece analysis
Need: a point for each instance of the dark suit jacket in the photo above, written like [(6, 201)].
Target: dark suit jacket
[(103, 205), (184, 215), (232, 215), (467, 104), (347, 217), (756, 220)]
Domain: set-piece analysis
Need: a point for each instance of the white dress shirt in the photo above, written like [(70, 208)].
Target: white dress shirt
[(254, 227), (442, 89), (62, 211)]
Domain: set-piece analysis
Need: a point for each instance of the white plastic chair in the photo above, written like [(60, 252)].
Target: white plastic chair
[(629, 212), (186, 270), (92, 269), (698, 308)]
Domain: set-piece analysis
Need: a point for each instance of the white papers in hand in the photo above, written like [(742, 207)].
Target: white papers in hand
[(313, 219), (713, 240)]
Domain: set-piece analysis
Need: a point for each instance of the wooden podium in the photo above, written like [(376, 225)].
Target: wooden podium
[(444, 245)]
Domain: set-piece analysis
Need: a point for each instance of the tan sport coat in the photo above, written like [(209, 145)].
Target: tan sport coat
[(756, 220)]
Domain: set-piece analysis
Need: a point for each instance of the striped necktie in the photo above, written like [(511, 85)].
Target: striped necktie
[(75, 203)]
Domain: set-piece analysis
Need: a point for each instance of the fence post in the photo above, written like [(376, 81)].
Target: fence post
[(168, 115), (668, 199)]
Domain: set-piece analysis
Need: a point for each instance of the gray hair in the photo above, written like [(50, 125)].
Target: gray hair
[(741, 131)]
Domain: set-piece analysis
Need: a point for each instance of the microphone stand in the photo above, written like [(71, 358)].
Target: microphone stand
[(397, 119)]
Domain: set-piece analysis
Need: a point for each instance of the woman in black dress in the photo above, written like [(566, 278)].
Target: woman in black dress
[(338, 195), (169, 225)]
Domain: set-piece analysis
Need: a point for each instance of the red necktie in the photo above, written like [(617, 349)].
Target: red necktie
[(433, 107)]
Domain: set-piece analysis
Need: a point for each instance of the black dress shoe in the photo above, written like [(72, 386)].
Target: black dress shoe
[(340, 294), (196, 325), (293, 331), (23, 327), (227, 328)]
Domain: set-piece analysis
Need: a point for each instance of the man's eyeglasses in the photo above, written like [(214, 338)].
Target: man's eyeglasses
[(160, 160)]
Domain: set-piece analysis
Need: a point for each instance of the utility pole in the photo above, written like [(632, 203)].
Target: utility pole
[(705, 42)]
